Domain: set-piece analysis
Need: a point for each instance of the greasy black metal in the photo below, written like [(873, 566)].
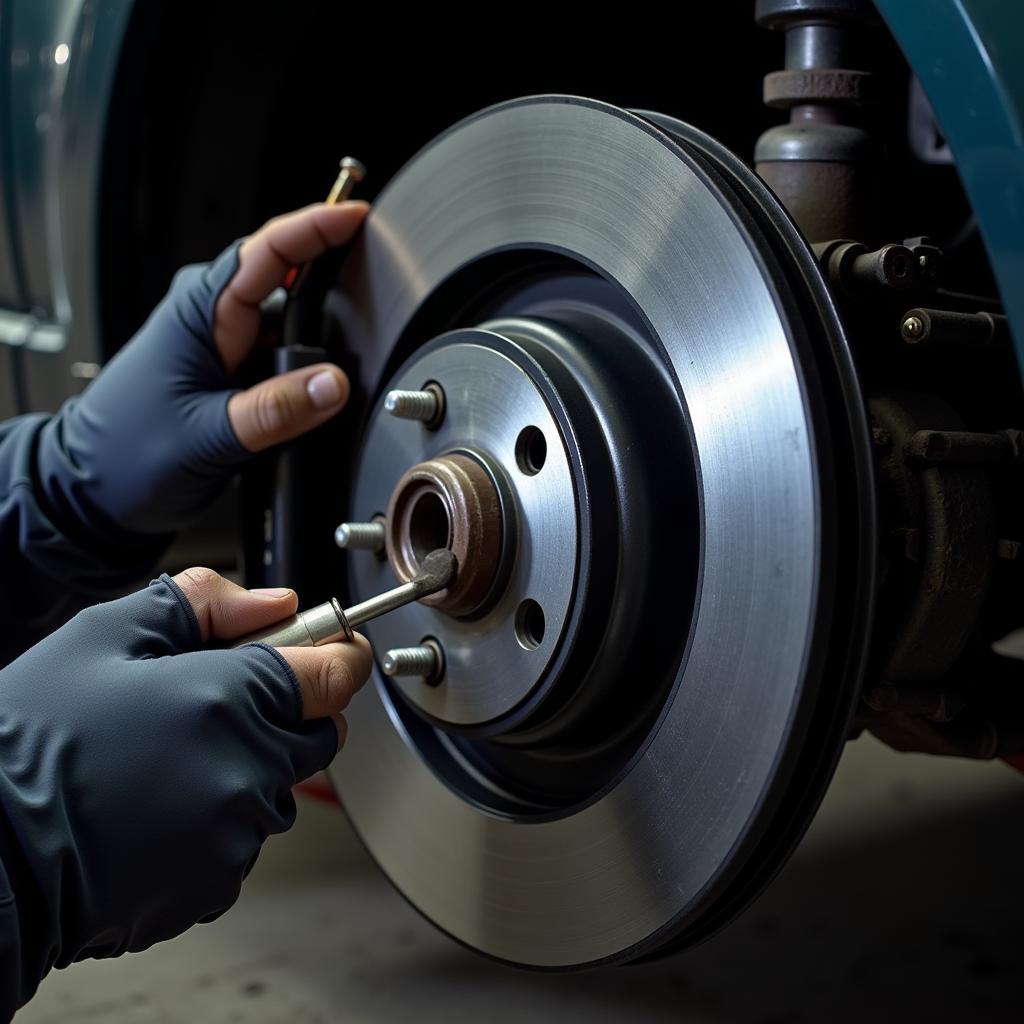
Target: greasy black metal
[(948, 327), (853, 270), (784, 90), (931, 482), (825, 196), (968, 448), (849, 493)]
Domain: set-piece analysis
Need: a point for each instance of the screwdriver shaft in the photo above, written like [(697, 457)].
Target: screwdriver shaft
[(329, 622), (381, 604)]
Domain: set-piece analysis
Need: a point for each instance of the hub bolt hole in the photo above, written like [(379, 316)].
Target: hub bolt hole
[(531, 450), (530, 624)]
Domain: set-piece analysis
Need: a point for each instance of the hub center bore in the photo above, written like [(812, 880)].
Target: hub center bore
[(448, 502)]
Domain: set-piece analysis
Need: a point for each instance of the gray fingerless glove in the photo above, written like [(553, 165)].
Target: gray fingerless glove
[(149, 444), (139, 776)]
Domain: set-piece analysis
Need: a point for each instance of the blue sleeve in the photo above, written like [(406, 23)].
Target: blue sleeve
[(91, 496), (139, 777), (53, 563)]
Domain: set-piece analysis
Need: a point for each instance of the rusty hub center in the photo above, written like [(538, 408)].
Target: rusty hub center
[(448, 502)]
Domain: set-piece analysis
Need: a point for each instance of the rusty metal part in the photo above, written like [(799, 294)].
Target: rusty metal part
[(823, 163), (932, 603), (932, 447), (826, 198), (451, 502), (947, 328), (835, 86)]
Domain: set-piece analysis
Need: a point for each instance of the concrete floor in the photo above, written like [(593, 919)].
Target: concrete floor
[(904, 903)]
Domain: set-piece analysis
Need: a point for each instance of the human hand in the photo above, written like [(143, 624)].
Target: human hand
[(140, 771), (154, 438)]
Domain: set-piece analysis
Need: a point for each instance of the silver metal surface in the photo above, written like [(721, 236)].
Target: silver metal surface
[(322, 624), (382, 603), (350, 173), (490, 401), (604, 880), (329, 622), (361, 536), (422, 661), (413, 405)]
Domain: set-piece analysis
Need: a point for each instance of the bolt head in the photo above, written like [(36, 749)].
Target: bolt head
[(912, 328), (354, 168)]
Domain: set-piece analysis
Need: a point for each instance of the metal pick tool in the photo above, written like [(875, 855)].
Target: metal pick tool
[(329, 622), (350, 173)]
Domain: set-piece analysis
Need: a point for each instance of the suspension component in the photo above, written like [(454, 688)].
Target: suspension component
[(823, 163)]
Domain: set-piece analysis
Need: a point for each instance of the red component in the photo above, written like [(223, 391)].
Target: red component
[(289, 278), (1017, 761), (319, 788)]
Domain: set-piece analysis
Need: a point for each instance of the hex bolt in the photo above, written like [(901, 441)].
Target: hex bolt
[(427, 405), (361, 536), (425, 661)]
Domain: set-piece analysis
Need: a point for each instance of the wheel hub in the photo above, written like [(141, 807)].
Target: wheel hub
[(448, 502)]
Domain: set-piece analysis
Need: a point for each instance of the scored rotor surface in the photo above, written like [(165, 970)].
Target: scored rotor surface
[(612, 879)]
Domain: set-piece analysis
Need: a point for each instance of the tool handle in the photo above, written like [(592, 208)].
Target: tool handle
[(324, 624)]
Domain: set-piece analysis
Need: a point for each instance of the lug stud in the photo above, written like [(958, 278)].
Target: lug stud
[(427, 405), (361, 536), (425, 661)]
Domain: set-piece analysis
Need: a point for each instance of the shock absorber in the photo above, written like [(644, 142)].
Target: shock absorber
[(823, 164)]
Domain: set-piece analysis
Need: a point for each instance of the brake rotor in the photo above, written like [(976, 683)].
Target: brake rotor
[(644, 375)]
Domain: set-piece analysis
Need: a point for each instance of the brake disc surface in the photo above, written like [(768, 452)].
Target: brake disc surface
[(698, 537)]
